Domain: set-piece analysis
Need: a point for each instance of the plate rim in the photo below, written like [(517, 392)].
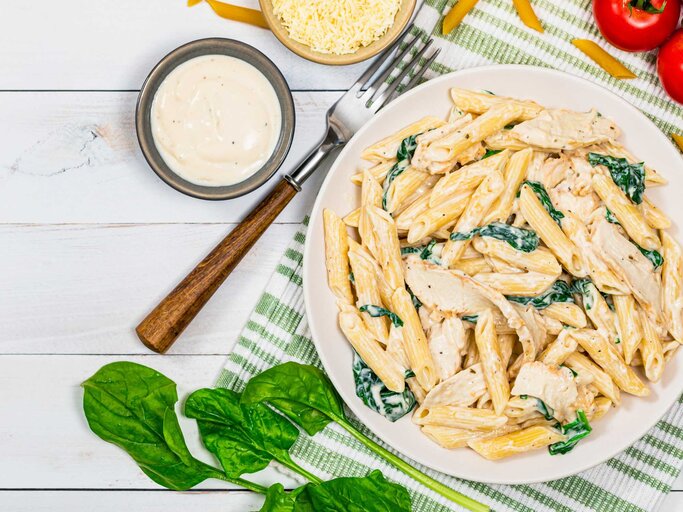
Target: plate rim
[(316, 213)]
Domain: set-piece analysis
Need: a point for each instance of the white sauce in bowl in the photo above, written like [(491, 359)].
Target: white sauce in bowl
[(215, 120)]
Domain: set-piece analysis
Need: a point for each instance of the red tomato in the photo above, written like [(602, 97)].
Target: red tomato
[(633, 29), (670, 66)]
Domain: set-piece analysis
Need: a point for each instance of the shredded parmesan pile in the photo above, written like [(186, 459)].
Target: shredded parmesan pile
[(336, 26)]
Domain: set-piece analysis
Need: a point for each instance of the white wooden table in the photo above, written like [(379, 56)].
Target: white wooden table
[(91, 239)]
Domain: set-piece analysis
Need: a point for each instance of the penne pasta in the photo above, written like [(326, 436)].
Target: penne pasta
[(608, 358), (567, 313), (386, 367), (491, 361), (628, 322), (626, 213), (336, 257), (516, 442), (539, 219), (672, 289), (386, 148), (651, 350), (515, 173)]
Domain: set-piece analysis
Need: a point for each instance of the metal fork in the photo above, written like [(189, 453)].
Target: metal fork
[(364, 99), (371, 92)]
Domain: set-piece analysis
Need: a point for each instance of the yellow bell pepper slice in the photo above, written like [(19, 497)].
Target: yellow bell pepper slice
[(527, 15), (603, 59), (234, 12), (456, 15), (678, 139)]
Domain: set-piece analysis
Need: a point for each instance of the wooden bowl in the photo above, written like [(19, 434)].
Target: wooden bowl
[(403, 16)]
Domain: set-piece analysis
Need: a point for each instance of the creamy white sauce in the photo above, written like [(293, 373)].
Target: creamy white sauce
[(215, 120)]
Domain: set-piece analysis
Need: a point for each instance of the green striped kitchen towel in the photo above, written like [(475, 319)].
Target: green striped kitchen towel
[(639, 478)]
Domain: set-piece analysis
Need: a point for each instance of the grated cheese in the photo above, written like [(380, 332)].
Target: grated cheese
[(336, 26)]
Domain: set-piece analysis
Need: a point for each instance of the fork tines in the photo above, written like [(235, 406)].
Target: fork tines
[(379, 91)]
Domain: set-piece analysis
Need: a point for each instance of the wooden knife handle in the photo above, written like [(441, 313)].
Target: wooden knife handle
[(165, 322)]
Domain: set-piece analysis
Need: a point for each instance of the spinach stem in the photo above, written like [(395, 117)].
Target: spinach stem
[(298, 469), (252, 486), (424, 479)]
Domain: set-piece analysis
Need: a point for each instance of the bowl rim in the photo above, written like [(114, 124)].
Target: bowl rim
[(405, 13), (214, 46), (309, 254)]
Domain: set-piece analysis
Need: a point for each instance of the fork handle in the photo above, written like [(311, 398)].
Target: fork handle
[(173, 314)]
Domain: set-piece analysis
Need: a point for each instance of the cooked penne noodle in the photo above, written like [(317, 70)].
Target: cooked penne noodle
[(352, 219), (459, 417), (651, 350), (491, 360), (654, 217), (403, 187), (600, 379), (567, 313), (539, 219), (443, 153), (371, 197), (467, 178), (526, 284), (481, 102), (559, 350), (438, 217), (378, 171), (388, 247), (628, 322), (516, 442), (515, 172), (608, 358), (386, 148), (367, 293), (414, 340), (672, 289), (336, 257), (472, 266), (626, 213), (406, 218), (386, 367), (541, 260), (474, 212)]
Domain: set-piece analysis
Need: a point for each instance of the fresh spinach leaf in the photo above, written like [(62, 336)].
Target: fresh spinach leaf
[(491, 152), (575, 431), (304, 386), (378, 311), (298, 390), (544, 198), (279, 500), (132, 406), (558, 292), (405, 153), (372, 493), (243, 438), (523, 240), (655, 257), (574, 374), (352, 278), (630, 178), (470, 318), (585, 288), (374, 394)]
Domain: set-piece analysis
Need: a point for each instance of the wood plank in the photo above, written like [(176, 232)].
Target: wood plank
[(116, 501), (73, 157), (82, 44), (46, 442), (83, 288)]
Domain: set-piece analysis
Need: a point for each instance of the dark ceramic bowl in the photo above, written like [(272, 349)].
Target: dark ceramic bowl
[(189, 51)]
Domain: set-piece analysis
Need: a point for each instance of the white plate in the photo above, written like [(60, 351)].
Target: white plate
[(611, 434)]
